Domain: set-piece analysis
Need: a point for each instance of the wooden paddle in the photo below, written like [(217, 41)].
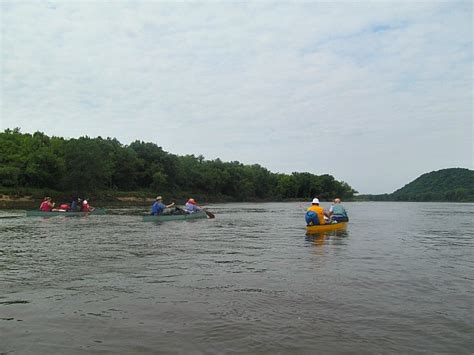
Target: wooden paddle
[(180, 210), (209, 214)]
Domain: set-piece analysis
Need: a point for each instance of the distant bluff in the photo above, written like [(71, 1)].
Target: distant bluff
[(454, 184), (446, 185)]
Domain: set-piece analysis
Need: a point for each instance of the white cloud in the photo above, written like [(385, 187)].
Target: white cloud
[(349, 89)]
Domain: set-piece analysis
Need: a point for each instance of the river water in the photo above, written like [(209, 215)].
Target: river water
[(398, 280)]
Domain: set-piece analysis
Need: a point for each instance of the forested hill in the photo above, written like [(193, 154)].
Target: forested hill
[(454, 184), (85, 165)]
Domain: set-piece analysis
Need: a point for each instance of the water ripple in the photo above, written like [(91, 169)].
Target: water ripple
[(399, 280)]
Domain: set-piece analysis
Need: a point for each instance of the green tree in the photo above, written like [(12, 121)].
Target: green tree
[(87, 168), (9, 176), (44, 168), (160, 181)]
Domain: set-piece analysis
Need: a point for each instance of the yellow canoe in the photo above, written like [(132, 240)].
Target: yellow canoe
[(325, 227)]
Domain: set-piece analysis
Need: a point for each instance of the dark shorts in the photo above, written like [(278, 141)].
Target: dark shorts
[(339, 218), (311, 218)]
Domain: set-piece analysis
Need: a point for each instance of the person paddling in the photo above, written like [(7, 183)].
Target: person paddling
[(337, 212), (86, 207), (47, 205), (158, 206), (76, 204), (315, 214), (191, 207)]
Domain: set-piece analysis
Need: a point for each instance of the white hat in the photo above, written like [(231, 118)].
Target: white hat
[(85, 202), (315, 200)]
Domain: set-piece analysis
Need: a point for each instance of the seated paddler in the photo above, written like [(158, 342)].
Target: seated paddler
[(86, 207), (159, 207), (76, 204), (47, 205), (191, 206), (337, 212), (315, 214)]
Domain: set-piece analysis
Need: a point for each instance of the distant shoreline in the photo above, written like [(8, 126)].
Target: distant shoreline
[(32, 202)]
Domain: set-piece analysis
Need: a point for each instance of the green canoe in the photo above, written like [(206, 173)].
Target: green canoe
[(37, 213), (174, 217)]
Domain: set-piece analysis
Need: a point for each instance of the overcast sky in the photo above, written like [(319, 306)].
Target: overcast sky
[(373, 93)]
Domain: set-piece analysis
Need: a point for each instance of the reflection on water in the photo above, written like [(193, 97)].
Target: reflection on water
[(321, 238), (397, 280)]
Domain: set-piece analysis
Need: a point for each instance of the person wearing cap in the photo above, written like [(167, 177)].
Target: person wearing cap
[(315, 214), (191, 207), (158, 206), (86, 207), (337, 212)]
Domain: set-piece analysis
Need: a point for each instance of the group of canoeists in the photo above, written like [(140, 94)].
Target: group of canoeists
[(159, 208), (76, 205), (317, 215)]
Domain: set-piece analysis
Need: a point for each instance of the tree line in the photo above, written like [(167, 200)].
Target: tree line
[(95, 164)]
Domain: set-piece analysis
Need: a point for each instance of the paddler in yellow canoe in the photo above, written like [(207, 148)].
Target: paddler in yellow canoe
[(315, 214)]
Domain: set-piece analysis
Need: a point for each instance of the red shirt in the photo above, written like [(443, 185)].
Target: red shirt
[(46, 206), (86, 208)]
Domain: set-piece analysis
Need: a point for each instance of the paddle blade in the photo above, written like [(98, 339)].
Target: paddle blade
[(210, 214)]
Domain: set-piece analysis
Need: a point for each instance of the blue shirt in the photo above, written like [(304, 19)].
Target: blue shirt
[(157, 208)]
